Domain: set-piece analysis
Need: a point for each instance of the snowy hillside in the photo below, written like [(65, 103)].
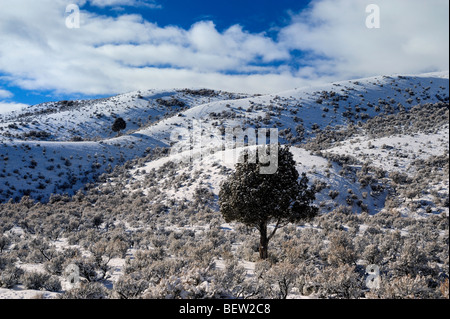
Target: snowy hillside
[(59, 147), (138, 220)]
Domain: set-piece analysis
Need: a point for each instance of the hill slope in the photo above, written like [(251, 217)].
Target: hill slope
[(60, 147), (144, 221)]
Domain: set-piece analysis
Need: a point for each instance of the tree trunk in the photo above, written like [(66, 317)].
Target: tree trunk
[(263, 242)]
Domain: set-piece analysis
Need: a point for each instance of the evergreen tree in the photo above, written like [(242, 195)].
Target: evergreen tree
[(119, 125), (257, 199)]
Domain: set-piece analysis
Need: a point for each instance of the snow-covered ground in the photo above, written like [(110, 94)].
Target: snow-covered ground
[(39, 165), (395, 153)]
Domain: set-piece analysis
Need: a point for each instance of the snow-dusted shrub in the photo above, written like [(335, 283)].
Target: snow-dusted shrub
[(248, 250), (329, 226), (306, 281), (281, 279), (52, 284), (38, 281), (319, 185), (343, 282), (364, 178), (399, 178), (333, 193), (297, 251), (216, 237), (141, 260), (88, 269), (404, 287), (40, 250), (6, 260), (4, 243), (87, 290), (231, 279), (10, 276), (372, 255), (116, 246), (175, 246), (130, 286), (194, 283), (74, 238), (403, 222), (341, 250), (55, 266), (153, 270), (88, 237), (373, 230), (385, 218), (411, 261), (201, 254), (390, 245), (441, 221)]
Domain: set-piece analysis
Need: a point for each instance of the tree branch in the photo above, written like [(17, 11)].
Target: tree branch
[(275, 230)]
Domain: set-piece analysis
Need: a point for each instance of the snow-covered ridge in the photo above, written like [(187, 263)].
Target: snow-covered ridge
[(59, 147), (376, 150)]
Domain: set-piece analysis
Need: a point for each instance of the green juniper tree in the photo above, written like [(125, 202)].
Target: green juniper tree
[(119, 125), (258, 200)]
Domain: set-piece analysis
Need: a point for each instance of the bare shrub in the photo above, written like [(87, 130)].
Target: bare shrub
[(342, 282), (87, 290)]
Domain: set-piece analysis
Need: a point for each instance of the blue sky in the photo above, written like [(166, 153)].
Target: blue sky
[(247, 46), (254, 16)]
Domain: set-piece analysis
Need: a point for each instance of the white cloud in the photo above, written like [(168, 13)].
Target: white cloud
[(6, 107), (5, 94), (109, 55), (9, 107), (201, 48), (412, 38), (129, 3)]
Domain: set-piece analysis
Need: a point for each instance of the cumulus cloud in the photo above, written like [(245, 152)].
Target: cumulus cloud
[(128, 3), (200, 48), (6, 107), (412, 38), (109, 55), (5, 94), (10, 107)]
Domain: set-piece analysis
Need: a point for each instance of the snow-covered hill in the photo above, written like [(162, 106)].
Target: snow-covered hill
[(143, 221), (59, 147)]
